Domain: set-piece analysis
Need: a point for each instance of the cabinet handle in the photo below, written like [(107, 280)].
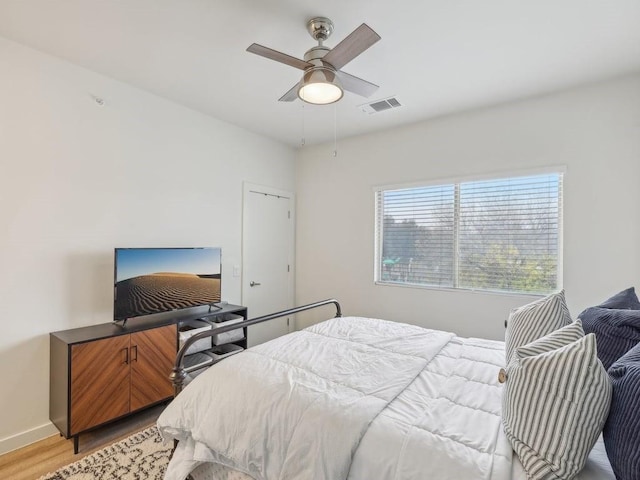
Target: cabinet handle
[(135, 348), (126, 355)]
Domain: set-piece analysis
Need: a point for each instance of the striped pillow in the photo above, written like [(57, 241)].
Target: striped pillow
[(622, 430), (555, 340), (618, 331), (555, 404), (626, 299), (535, 320)]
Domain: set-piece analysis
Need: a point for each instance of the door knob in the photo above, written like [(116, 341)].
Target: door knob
[(253, 284)]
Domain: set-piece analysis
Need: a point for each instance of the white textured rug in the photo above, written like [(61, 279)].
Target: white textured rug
[(141, 456)]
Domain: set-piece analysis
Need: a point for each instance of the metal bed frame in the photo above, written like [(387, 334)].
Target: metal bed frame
[(179, 372)]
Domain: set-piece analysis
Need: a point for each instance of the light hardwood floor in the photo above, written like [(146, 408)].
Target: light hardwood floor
[(50, 454)]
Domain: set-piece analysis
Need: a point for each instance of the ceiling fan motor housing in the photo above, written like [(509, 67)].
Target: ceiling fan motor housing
[(315, 54)]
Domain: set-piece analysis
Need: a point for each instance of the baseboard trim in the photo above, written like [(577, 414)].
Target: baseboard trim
[(27, 437)]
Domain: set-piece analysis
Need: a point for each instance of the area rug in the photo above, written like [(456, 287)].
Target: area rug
[(141, 456)]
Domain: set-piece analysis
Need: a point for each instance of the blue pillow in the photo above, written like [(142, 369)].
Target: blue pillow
[(625, 300), (622, 430), (617, 331)]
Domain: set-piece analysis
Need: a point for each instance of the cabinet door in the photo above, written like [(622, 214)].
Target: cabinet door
[(99, 382), (153, 353)]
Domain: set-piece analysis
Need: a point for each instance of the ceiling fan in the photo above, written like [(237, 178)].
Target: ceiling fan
[(323, 81)]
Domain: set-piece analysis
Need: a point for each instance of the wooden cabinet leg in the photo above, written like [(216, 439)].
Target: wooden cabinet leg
[(76, 443)]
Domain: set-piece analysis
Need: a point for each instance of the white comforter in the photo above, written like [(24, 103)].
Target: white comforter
[(348, 398), (446, 425)]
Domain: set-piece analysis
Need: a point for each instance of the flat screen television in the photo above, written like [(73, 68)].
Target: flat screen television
[(155, 280)]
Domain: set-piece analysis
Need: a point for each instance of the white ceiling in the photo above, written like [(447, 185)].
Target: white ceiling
[(435, 56)]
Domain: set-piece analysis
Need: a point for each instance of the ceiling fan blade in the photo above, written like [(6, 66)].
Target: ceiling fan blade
[(291, 95), (278, 56), (356, 84), (352, 46)]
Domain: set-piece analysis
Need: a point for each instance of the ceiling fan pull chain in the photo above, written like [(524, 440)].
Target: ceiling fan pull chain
[(335, 130), (302, 141)]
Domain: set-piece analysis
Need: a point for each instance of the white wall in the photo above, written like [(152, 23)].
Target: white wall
[(76, 181), (594, 131)]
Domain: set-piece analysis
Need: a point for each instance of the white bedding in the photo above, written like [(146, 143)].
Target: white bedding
[(274, 410), (596, 468), (408, 403), (445, 425)]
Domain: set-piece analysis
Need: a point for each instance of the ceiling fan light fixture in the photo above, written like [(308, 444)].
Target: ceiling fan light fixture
[(320, 86)]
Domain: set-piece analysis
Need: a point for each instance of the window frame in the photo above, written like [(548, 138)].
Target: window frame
[(456, 181)]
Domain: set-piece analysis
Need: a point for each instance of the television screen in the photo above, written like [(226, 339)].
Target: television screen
[(154, 280)]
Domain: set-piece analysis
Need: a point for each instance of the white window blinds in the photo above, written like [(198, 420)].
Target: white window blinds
[(497, 235)]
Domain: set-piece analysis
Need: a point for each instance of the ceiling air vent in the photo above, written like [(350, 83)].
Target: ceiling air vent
[(380, 105)]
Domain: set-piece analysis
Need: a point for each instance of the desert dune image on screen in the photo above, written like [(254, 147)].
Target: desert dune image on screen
[(153, 280)]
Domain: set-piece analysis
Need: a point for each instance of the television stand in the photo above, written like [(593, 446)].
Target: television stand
[(101, 373)]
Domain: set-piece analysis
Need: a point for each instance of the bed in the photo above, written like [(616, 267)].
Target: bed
[(349, 398)]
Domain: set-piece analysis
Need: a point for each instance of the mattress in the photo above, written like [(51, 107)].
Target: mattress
[(444, 422)]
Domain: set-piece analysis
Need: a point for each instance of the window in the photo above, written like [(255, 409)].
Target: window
[(494, 235)]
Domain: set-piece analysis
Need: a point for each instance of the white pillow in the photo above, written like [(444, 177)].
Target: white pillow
[(535, 320), (555, 403)]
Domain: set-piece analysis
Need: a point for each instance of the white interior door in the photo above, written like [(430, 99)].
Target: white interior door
[(267, 256)]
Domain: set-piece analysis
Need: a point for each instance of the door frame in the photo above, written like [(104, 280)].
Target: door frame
[(249, 188)]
